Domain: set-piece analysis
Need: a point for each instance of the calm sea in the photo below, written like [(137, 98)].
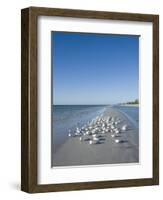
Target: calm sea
[(131, 112), (67, 117)]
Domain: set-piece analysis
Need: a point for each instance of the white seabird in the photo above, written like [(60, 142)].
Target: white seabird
[(93, 141), (69, 133), (124, 127), (117, 141)]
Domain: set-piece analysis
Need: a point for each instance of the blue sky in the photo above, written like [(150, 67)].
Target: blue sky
[(94, 68)]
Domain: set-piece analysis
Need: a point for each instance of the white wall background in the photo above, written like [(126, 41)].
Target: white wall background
[(10, 98)]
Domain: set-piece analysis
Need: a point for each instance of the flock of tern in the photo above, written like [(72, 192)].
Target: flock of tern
[(96, 130)]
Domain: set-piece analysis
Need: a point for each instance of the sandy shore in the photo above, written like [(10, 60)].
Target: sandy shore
[(74, 152), (130, 105)]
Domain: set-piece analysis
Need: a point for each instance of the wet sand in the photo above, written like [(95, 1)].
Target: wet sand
[(75, 152), (130, 105)]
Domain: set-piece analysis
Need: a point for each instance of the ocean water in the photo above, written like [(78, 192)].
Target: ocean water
[(67, 117), (131, 112)]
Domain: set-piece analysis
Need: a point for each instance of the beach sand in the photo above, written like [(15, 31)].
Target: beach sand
[(75, 153), (130, 105)]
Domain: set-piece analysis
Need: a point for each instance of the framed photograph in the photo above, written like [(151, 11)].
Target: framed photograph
[(90, 99)]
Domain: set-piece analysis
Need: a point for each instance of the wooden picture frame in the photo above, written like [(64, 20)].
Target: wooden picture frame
[(29, 97)]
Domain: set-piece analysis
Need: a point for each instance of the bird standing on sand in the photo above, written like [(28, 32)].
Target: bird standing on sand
[(69, 133), (117, 141), (124, 127)]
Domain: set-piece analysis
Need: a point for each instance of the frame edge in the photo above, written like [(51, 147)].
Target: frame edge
[(24, 99), (156, 100), (28, 101)]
